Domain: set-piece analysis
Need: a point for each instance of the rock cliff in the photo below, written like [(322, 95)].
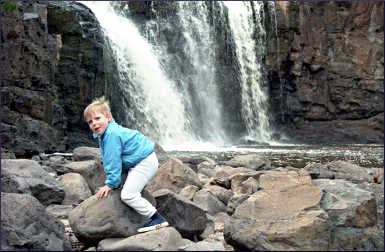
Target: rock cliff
[(326, 70), (52, 67)]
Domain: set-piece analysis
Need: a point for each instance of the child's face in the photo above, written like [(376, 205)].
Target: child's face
[(98, 122)]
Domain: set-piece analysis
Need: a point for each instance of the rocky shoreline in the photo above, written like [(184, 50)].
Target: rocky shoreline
[(239, 204)]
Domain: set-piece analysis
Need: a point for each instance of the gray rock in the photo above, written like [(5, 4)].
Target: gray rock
[(27, 176), (223, 172), (75, 187), (164, 239), (221, 193), (203, 246), (97, 219), (245, 183), (234, 202), (91, 170), (338, 170), (173, 175), (25, 225), (85, 153), (189, 191), (346, 204), (250, 161), (208, 202), (284, 215), (59, 211), (186, 216), (357, 239), (57, 163)]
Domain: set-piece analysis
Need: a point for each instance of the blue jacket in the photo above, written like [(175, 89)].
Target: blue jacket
[(121, 148)]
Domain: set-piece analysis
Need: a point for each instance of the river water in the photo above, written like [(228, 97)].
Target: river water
[(298, 156)]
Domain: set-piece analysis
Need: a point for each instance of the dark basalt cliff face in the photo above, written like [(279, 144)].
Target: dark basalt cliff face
[(52, 67), (326, 71)]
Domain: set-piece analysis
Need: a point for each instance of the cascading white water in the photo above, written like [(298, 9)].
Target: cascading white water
[(177, 103), (153, 93), (200, 45), (199, 86), (250, 50)]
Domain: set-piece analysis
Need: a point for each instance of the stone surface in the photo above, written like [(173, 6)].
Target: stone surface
[(75, 187), (250, 161), (284, 215), (92, 171), (28, 177), (50, 71), (85, 153), (173, 175), (184, 215), (25, 225), (59, 211), (97, 219), (338, 170), (164, 239), (346, 204), (208, 202), (326, 71)]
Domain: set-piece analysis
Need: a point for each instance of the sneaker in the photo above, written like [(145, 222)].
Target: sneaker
[(155, 222)]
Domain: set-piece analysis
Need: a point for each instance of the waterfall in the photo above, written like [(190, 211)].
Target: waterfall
[(142, 78), (200, 43), (249, 37), (197, 83), (168, 70)]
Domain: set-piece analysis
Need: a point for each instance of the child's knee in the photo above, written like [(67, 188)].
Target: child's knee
[(127, 197)]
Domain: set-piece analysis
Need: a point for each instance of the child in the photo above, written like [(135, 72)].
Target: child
[(128, 150)]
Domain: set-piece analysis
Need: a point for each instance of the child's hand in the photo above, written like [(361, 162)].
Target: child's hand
[(104, 191)]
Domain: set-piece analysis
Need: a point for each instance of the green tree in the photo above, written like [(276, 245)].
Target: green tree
[(9, 6)]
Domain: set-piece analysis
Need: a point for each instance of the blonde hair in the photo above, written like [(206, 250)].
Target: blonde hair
[(98, 105)]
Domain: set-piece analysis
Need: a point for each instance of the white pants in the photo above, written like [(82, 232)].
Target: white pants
[(137, 178)]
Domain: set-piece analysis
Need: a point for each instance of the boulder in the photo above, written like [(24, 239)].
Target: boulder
[(25, 225), (28, 177), (208, 202), (245, 183), (250, 161), (108, 217), (234, 202), (378, 191), (194, 162), (203, 246), (221, 193), (189, 191), (184, 215), (357, 239), (85, 153), (338, 170), (164, 239), (91, 170), (284, 215), (206, 165), (75, 187), (223, 172), (59, 211), (346, 204), (173, 175)]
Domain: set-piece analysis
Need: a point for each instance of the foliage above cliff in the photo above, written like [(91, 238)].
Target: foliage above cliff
[(9, 6)]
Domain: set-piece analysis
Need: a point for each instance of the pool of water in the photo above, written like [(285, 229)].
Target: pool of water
[(367, 156)]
